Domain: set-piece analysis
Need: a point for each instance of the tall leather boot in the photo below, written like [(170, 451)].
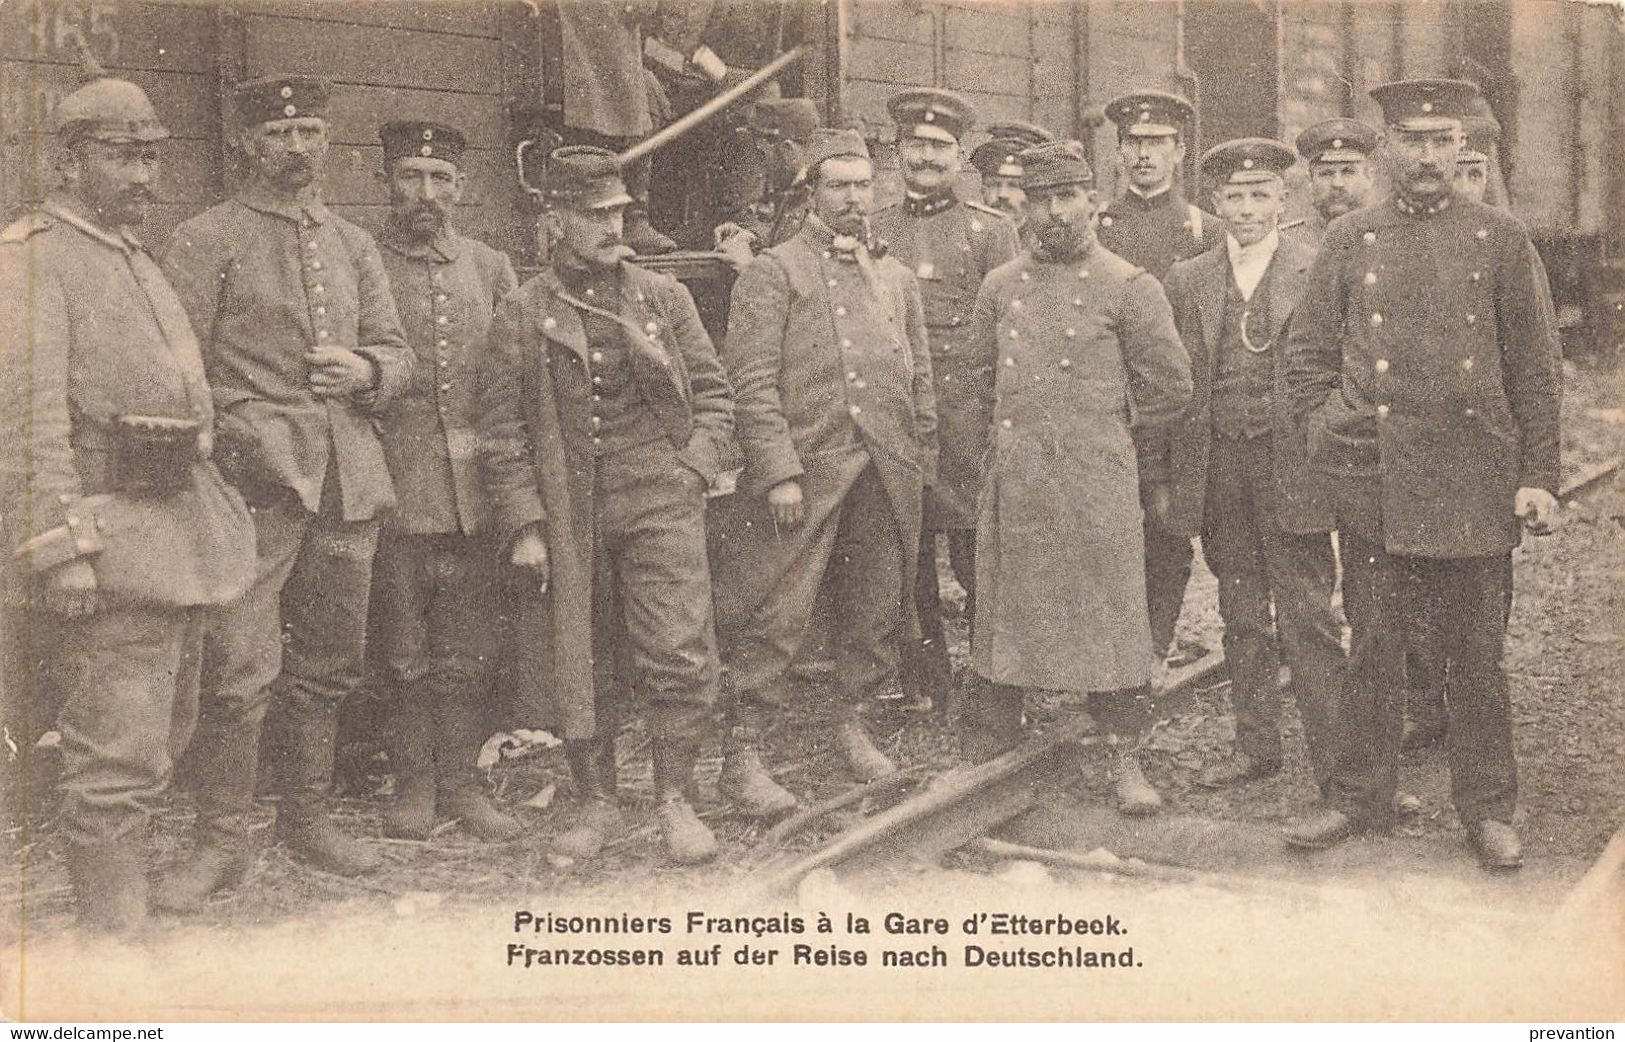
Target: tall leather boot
[(1136, 796), (638, 233), (688, 840), (462, 791), (225, 757), (744, 781), (110, 883), (411, 757), (991, 723), (865, 762), (598, 816), (302, 820)]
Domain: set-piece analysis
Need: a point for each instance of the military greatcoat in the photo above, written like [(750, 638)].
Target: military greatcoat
[(1088, 361), (536, 447), (1423, 361), (950, 246), (831, 373), (1196, 288)]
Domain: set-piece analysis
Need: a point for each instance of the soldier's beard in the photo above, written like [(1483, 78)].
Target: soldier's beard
[(1061, 239)]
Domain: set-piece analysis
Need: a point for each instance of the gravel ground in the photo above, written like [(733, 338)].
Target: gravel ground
[(1564, 656)]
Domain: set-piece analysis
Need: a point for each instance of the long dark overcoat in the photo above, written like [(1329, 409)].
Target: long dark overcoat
[(535, 443), (1088, 360), (1197, 290)]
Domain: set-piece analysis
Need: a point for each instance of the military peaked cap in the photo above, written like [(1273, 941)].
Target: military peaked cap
[(280, 97), (1246, 160), (931, 113), (1149, 113), (585, 177), (1337, 141), (1001, 154), (1425, 104)]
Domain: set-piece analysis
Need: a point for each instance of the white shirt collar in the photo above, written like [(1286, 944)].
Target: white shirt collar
[(1248, 263)]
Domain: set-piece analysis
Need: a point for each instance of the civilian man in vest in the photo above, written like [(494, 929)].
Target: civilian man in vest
[(437, 569), (117, 527), (1151, 225), (827, 352), (1090, 375), (304, 352), (950, 246), (998, 160), (1425, 367), (1238, 478), (603, 415), (1338, 152)]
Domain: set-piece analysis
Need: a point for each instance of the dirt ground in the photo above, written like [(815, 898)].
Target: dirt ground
[(1565, 656)]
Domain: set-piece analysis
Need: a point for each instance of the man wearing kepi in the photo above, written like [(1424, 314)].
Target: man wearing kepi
[(1151, 225), (1426, 372), (998, 160), (304, 352), (1338, 152), (603, 416), (826, 349), (950, 246), (437, 567), (1238, 477), (117, 527), (1090, 375)]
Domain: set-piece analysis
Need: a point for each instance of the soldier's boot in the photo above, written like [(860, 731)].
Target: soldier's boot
[(462, 791), (865, 762), (925, 673), (1136, 796), (110, 883), (744, 782), (411, 756), (598, 816), (991, 723), (225, 760), (303, 820), (642, 236), (688, 840)]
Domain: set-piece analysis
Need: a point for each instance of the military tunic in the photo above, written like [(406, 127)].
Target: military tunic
[(951, 246), (95, 333), (833, 382), (435, 575), (1424, 364), (540, 418), (1088, 362)]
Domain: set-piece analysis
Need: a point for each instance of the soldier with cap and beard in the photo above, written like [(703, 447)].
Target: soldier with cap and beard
[(119, 533), (1338, 152), (437, 565)]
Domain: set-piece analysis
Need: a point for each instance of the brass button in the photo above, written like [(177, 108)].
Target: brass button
[(445, 387), (442, 342), (651, 327), (597, 356), (840, 312), (441, 320), (1382, 365), (859, 384), (318, 289), (1066, 363), (1070, 332), (1370, 278), (1369, 237), (444, 364), (853, 375), (1376, 318), (1382, 410), (1472, 320), (1026, 277), (846, 342), (1083, 273), (321, 309), (315, 265), (1467, 364), (1005, 424), (1008, 361), (1476, 276), (1469, 412), (830, 283), (856, 410), (321, 334)]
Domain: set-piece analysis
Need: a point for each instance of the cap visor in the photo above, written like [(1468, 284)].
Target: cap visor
[(932, 132), (1250, 177), (1427, 124), (1340, 155), (1150, 130), (607, 202)]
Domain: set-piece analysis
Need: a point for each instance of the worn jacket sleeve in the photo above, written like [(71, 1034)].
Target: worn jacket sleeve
[(506, 456), (924, 389), (1158, 371), (1531, 364), (46, 519), (753, 351), (710, 397), (1314, 337), (378, 332)]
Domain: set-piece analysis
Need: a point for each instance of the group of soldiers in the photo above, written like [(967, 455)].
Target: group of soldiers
[(235, 464)]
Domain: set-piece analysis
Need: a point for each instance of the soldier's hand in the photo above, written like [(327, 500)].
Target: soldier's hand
[(338, 372), (1538, 509), (70, 589), (737, 243), (529, 555), (784, 503)]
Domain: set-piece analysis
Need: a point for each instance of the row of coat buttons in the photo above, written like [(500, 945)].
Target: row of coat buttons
[(1376, 319), (1381, 364), (313, 265), (1009, 362)]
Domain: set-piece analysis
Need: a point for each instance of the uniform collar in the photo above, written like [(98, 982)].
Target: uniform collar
[(1147, 201), (121, 239), (445, 247), (256, 196), (920, 205), (1410, 209)]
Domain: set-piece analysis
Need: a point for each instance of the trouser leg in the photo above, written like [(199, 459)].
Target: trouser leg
[(962, 561), (1472, 594), (402, 591), (990, 721), (1167, 571), (924, 662), (868, 567), (1233, 544), (1378, 600)]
